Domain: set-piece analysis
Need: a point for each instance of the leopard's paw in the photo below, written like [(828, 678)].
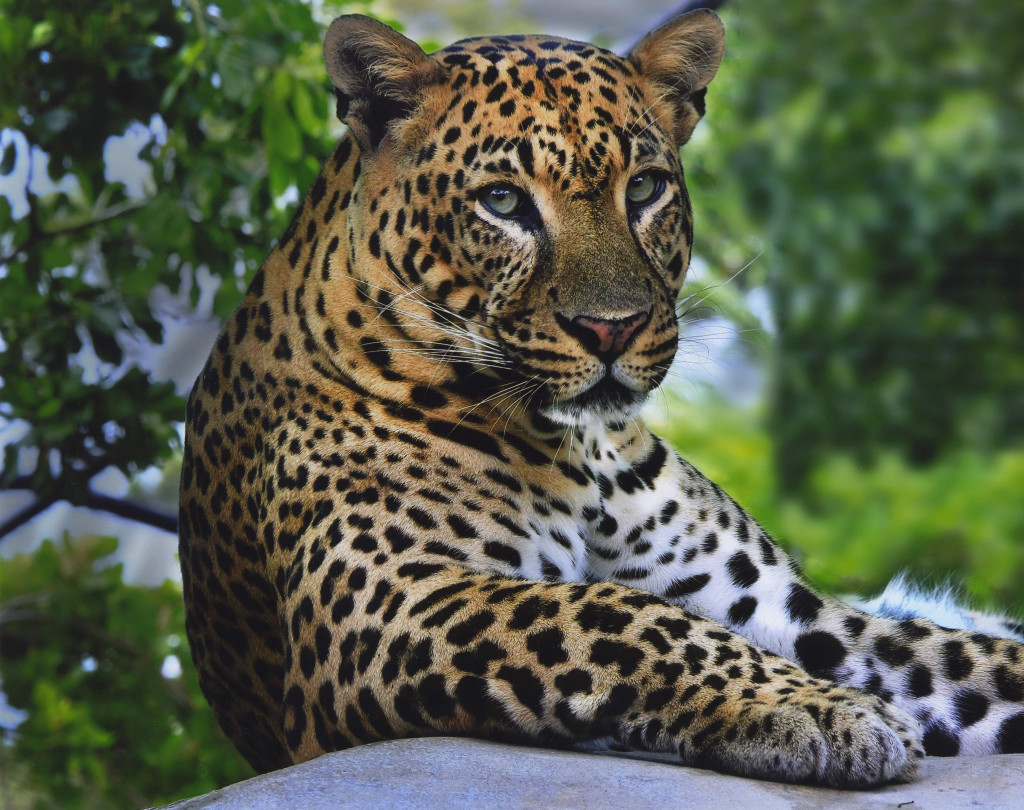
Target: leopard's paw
[(828, 736)]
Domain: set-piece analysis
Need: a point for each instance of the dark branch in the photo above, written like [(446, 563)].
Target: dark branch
[(23, 516), (37, 233), (102, 503), (133, 511)]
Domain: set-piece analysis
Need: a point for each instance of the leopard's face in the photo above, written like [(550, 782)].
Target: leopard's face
[(531, 220)]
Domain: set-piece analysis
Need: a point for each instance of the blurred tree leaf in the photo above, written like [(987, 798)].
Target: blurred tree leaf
[(168, 131), (114, 716), (887, 185)]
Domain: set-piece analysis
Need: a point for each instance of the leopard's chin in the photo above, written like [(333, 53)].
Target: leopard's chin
[(606, 401)]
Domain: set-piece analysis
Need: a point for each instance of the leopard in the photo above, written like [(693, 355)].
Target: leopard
[(417, 494)]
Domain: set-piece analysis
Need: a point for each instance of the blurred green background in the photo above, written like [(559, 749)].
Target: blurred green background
[(852, 368)]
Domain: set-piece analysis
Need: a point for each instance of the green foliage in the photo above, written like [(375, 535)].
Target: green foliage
[(242, 96), (877, 149), (855, 526), (82, 656), (873, 150)]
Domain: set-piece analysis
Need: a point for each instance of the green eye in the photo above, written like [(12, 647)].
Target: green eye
[(644, 187), (505, 201)]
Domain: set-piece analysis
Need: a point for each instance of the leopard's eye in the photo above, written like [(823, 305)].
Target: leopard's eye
[(504, 201), (644, 188)]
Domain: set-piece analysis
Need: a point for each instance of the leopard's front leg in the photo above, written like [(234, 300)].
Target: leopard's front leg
[(427, 650), (665, 528)]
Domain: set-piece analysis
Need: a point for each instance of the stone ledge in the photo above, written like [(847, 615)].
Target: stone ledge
[(453, 773)]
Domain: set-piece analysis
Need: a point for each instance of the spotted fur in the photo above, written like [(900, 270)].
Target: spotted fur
[(416, 498)]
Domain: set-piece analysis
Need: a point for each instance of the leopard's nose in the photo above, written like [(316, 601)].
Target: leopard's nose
[(605, 337)]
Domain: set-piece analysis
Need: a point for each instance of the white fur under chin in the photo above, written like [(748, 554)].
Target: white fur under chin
[(584, 418), (944, 605)]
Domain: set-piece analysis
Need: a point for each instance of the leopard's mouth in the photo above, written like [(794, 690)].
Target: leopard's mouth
[(608, 399)]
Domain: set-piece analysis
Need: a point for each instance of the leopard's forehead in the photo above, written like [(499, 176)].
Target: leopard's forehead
[(548, 62), (576, 101), (539, 51)]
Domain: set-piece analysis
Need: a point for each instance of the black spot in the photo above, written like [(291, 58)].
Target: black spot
[(594, 615), (435, 698), (399, 539), (819, 652), (307, 661), (342, 608), (955, 660), (418, 570), (649, 469), (407, 706), (392, 609), (283, 351), (380, 593), (656, 640), (503, 552), (525, 686), (461, 528), (940, 742), (742, 609), (657, 699), (496, 92), (970, 707), (919, 681), (741, 570), (1009, 684), (695, 655), (573, 681), (1011, 734), (461, 434), (620, 700), (294, 717), (506, 593), (437, 596), (370, 640), (531, 609), (472, 694), (547, 646), (503, 478), (605, 652), (374, 714), (854, 625), (442, 615), (913, 630), (477, 660), (421, 518), (684, 587), (427, 397), (802, 605), (420, 658), (891, 652), (468, 629), (375, 352), (676, 628)]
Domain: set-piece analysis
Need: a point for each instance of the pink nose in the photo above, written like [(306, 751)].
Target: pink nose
[(605, 337)]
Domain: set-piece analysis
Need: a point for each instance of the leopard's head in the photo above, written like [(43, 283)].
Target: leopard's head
[(522, 200)]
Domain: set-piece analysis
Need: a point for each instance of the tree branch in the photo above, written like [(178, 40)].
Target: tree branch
[(23, 516), (37, 233), (133, 511), (102, 503)]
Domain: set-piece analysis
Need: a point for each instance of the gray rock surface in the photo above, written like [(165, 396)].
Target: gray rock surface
[(450, 774)]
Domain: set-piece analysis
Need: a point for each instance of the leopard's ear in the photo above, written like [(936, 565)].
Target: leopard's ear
[(377, 75), (680, 59)]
